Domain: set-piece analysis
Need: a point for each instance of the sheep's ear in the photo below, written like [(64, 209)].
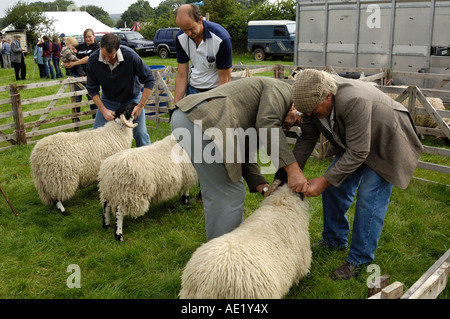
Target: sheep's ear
[(126, 123)]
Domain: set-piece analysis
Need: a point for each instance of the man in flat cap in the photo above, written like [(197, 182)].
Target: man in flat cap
[(375, 145)]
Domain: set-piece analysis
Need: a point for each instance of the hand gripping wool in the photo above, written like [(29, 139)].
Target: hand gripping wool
[(261, 259), (132, 180), (63, 162)]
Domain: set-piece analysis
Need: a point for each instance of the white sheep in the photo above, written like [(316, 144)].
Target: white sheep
[(419, 119), (262, 258), (132, 180), (63, 162)]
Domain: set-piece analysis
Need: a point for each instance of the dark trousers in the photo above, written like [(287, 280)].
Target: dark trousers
[(22, 68), (41, 71)]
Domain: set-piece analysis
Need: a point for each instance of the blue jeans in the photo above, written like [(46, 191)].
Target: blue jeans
[(139, 132), (372, 201), (47, 67), (57, 68), (190, 90)]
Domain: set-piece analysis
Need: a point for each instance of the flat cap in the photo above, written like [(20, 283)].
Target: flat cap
[(307, 90)]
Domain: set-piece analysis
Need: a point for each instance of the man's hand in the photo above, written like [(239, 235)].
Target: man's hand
[(316, 186), (260, 189), (137, 111), (108, 114), (296, 178)]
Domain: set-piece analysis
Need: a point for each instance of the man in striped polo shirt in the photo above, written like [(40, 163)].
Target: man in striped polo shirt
[(207, 45)]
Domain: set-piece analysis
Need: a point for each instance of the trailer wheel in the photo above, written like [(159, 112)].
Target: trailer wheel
[(259, 55)]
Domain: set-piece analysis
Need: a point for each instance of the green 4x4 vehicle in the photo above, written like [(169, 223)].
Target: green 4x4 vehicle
[(273, 38)]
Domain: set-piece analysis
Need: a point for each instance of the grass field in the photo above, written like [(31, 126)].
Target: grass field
[(40, 248)]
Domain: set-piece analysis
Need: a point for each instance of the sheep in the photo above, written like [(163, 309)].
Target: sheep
[(423, 120), (262, 258), (132, 180), (63, 162)]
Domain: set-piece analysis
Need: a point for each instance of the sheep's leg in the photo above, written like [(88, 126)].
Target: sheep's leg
[(184, 197), (119, 223), (60, 207), (106, 216)]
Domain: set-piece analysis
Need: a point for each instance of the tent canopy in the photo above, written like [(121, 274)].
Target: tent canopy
[(73, 22)]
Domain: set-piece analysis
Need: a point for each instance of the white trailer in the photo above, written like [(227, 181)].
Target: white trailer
[(407, 36)]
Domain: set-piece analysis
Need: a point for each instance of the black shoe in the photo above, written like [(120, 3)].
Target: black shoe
[(346, 271)]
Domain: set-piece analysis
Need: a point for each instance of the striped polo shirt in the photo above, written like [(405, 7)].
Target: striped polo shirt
[(214, 52)]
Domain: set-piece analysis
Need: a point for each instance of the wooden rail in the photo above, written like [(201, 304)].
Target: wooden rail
[(17, 125)]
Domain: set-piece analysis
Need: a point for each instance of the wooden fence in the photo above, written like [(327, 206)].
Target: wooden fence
[(19, 124)]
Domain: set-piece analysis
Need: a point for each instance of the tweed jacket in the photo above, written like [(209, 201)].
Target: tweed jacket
[(16, 52), (257, 102), (373, 128)]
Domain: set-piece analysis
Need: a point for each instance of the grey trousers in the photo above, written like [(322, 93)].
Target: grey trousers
[(223, 200)]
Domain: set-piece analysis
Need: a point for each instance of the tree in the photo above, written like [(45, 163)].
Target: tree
[(57, 5), (100, 14), (280, 10), (139, 11), (30, 18)]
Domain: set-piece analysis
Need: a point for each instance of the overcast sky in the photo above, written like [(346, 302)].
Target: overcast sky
[(110, 6)]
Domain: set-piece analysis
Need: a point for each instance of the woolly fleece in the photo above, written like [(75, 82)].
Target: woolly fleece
[(135, 179), (63, 162), (262, 258)]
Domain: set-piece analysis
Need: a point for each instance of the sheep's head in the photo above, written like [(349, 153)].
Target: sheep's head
[(124, 113)]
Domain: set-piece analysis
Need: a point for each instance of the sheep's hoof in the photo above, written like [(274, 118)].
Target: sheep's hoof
[(184, 199), (119, 237), (60, 208), (105, 226)]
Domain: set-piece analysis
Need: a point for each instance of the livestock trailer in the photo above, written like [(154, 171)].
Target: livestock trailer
[(406, 36)]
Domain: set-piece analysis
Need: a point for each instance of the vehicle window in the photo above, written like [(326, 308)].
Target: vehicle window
[(121, 36), (134, 36), (280, 31), (291, 27), (174, 34)]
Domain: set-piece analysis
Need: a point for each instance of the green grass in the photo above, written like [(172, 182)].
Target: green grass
[(37, 247)]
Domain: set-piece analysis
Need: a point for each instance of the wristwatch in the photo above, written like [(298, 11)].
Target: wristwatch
[(265, 189)]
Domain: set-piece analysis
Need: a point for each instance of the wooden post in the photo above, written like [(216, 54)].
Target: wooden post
[(18, 114), (383, 282), (73, 100), (278, 71), (393, 291)]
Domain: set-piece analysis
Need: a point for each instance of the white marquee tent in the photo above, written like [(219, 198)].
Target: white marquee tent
[(73, 23)]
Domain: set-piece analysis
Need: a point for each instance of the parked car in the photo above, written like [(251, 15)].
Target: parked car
[(164, 42), (136, 41), (98, 36), (273, 38)]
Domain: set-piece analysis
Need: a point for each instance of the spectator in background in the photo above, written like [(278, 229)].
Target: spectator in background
[(69, 54), (39, 60), (18, 58), (84, 50), (1, 55), (63, 40), (47, 56), (55, 56), (6, 54)]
